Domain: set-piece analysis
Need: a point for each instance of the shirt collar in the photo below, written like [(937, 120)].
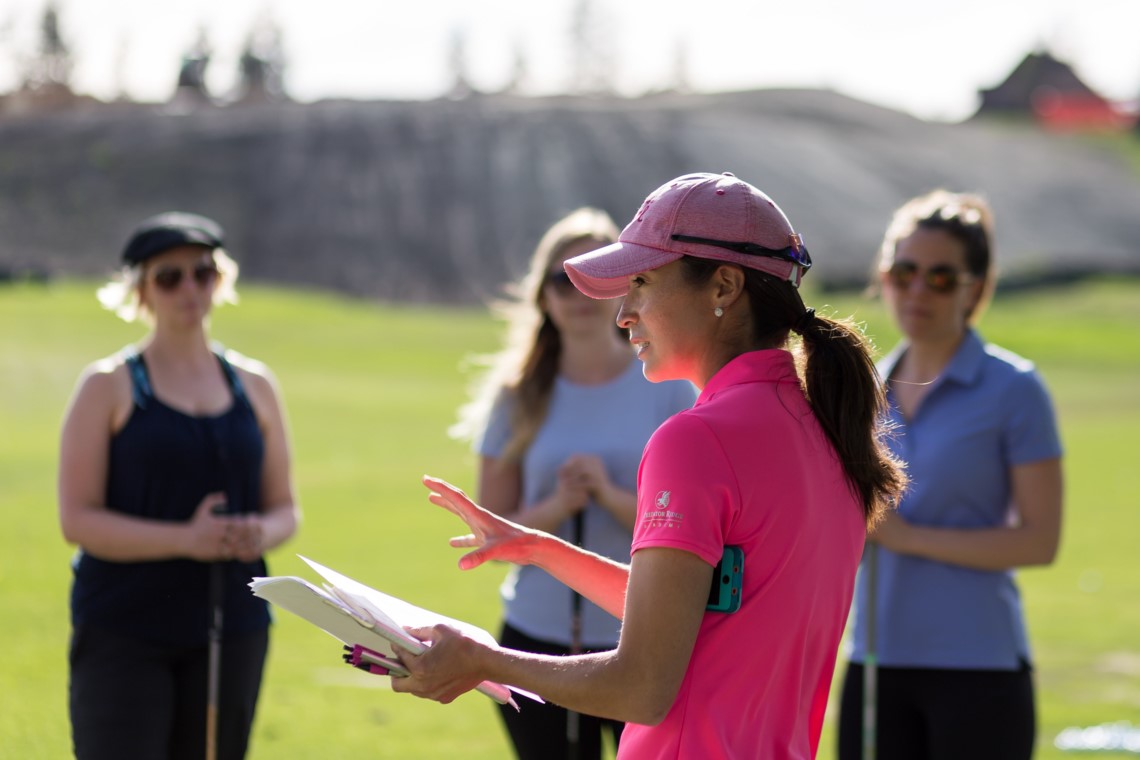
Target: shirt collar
[(771, 365), (964, 366)]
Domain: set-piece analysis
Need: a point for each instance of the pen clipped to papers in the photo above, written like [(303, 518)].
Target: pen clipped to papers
[(369, 622), (363, 658)]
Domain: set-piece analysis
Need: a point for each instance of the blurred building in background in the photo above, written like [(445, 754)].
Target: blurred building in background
[(1046, 89)]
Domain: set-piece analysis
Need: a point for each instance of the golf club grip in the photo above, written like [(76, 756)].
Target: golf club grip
[(211, 732), (575, 597)]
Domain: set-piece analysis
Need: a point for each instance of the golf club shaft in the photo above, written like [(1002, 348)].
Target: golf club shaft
[(214, 674), (573, 719), (870, 658)]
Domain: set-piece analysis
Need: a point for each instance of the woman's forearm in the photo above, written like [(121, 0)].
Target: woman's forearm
[(984, 548), (599, 579), (605, 684), (278, 524), (636, 682), (117, 537), (622, 506), (1032, 540), (545, 515)]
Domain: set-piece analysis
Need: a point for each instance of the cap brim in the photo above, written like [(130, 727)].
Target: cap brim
[(604, 273), (153, 242)]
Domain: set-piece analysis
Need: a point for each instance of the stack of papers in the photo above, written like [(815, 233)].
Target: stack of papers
[(359, 615)]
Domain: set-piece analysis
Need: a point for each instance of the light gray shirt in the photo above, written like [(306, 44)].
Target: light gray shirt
[(612, 421)]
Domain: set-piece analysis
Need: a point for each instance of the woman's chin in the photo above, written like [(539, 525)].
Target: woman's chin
[(655, 373)]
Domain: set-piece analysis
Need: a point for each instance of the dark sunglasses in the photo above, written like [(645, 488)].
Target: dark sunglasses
[(560, 282), (942, 278), (169, 278)]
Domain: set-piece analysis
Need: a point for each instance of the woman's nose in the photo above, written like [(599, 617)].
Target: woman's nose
[(624, 316)]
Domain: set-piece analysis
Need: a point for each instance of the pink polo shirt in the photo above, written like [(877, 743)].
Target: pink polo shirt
[(750, 466)]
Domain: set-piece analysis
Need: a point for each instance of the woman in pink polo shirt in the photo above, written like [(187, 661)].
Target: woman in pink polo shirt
[(775, 471)]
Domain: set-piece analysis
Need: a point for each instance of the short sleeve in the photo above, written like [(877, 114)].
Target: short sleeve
[(1031, 434), (495, 436), (687, 494)]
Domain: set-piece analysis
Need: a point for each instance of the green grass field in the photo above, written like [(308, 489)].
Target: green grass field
[(370, 390)]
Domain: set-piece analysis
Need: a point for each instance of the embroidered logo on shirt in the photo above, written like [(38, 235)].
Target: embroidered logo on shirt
[(662, 516)]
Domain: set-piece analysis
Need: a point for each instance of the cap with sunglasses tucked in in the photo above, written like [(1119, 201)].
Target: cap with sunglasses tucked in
[(170, 230), (710, 216)]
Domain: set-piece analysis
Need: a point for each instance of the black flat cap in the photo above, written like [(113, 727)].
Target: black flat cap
[(170, 230)]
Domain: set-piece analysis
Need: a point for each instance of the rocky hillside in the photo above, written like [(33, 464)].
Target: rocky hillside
[(444, 200)]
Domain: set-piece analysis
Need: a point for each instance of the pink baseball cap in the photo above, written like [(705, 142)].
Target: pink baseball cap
[(710, 216)]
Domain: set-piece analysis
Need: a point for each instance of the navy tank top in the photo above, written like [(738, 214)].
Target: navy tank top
[(162, 463)]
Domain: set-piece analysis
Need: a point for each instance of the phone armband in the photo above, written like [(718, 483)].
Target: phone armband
[(727, 581)]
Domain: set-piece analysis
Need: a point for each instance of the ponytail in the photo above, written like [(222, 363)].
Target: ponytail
[(847, 397), (838, 377)]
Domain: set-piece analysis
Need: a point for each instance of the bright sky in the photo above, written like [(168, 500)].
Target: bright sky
[(924, 57)]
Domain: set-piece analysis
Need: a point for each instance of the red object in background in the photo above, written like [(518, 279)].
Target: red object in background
[(1073, 112)]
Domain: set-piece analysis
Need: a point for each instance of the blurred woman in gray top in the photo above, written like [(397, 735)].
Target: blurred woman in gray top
[(560, 422)]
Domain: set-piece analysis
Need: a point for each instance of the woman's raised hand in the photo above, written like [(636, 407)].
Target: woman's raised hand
[(492, 537)]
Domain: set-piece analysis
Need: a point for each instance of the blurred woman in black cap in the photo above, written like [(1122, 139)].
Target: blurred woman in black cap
[(174, 467)]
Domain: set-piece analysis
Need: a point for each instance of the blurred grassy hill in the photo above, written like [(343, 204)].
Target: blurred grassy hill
[(441, 201)]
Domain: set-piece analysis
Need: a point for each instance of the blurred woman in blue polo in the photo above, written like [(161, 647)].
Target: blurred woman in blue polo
[(976, 427)]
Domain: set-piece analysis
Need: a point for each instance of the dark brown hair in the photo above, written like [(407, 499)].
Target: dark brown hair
[(966, 217), (838, 377)]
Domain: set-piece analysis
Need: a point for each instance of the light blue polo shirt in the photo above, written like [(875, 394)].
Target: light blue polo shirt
[(988, 412)]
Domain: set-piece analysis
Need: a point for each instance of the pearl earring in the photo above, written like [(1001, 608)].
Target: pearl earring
[(718, 311)]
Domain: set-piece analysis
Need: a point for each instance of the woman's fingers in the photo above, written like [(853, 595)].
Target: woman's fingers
[(474, 559), (491, 537), (443, 487), (441, 500)]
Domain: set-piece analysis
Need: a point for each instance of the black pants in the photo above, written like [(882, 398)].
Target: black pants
[(938, 714), (130, 699), (538, 731)]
